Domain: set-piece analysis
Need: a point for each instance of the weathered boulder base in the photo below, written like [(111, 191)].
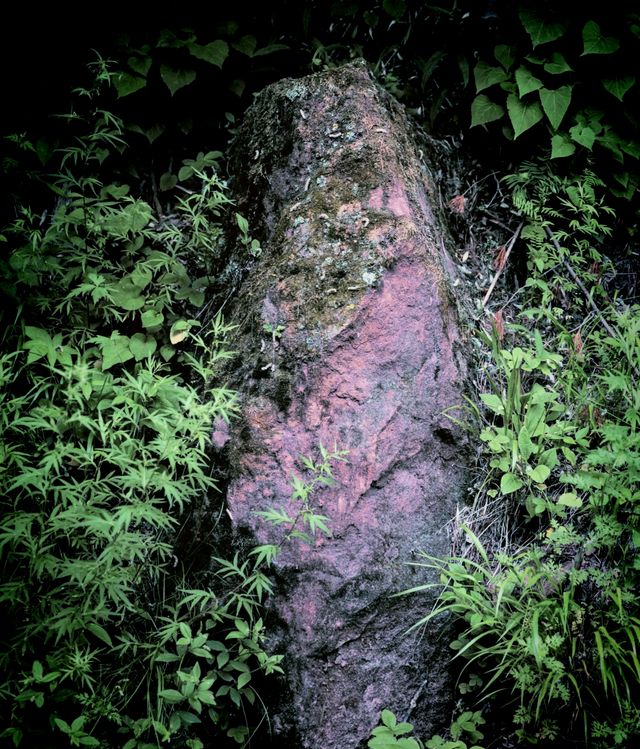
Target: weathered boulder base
[(347, 335)]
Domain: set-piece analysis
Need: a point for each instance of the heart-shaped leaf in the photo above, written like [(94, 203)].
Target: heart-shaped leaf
[(142, 346), (504, 55), (510, 483), (214, 52), (557, 65), (539, 474), (246, 45), (523, 115), (527, 82), (595, 43), (540, 30), (140, 64), (151, 318), (561, 146), (483, 110), (487, 75), (619, 86), (176, 78), (555, 104), (114, 350), (583, 135), (127, 84)]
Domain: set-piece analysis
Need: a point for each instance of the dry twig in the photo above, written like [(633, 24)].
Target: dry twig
[(510, 245)]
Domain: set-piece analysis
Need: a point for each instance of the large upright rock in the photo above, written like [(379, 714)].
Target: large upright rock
[(354, 269)]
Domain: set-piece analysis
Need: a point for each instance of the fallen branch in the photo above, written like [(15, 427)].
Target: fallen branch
[(510, 245)]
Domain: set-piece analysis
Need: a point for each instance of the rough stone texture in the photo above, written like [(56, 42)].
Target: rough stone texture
[(354, 268)]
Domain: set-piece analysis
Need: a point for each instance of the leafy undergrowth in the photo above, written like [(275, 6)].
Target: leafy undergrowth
[(544, 580), (114, 634)]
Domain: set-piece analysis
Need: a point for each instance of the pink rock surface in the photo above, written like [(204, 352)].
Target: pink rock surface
[(367, 358)]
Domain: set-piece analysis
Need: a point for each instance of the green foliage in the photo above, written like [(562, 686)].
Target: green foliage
[(391, 734), (568, 219), (544, 87), (108, 389), (465, 725), (305, 517), (555, 626)]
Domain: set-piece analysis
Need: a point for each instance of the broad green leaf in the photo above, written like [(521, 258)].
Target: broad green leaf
[(549, 457), (168, 181), (539, 474), (557, 65), (525, 445), (196, 297), (243, 680), (171, 695), (130, 219), (483, 110), (215, 52), (594, 41), (154, 132), (140, 64), (555, 104), (127, 84), (115, 191), (207, 697), (510, 483), (41, 344), (583, 135), (527, 82), (632, 147), (246, 45), (539, 29), (561, 146), (151, 318), (619, 86), (388, 718), (114, 350), (269, 49), (126, 295), (176, 78), (88, 741), (167, 352), (142, 346), (141, 277), (395, 8), (493, 402), (486, 75), (522, 115), (504, 55), (165, 657), (570, 499)]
